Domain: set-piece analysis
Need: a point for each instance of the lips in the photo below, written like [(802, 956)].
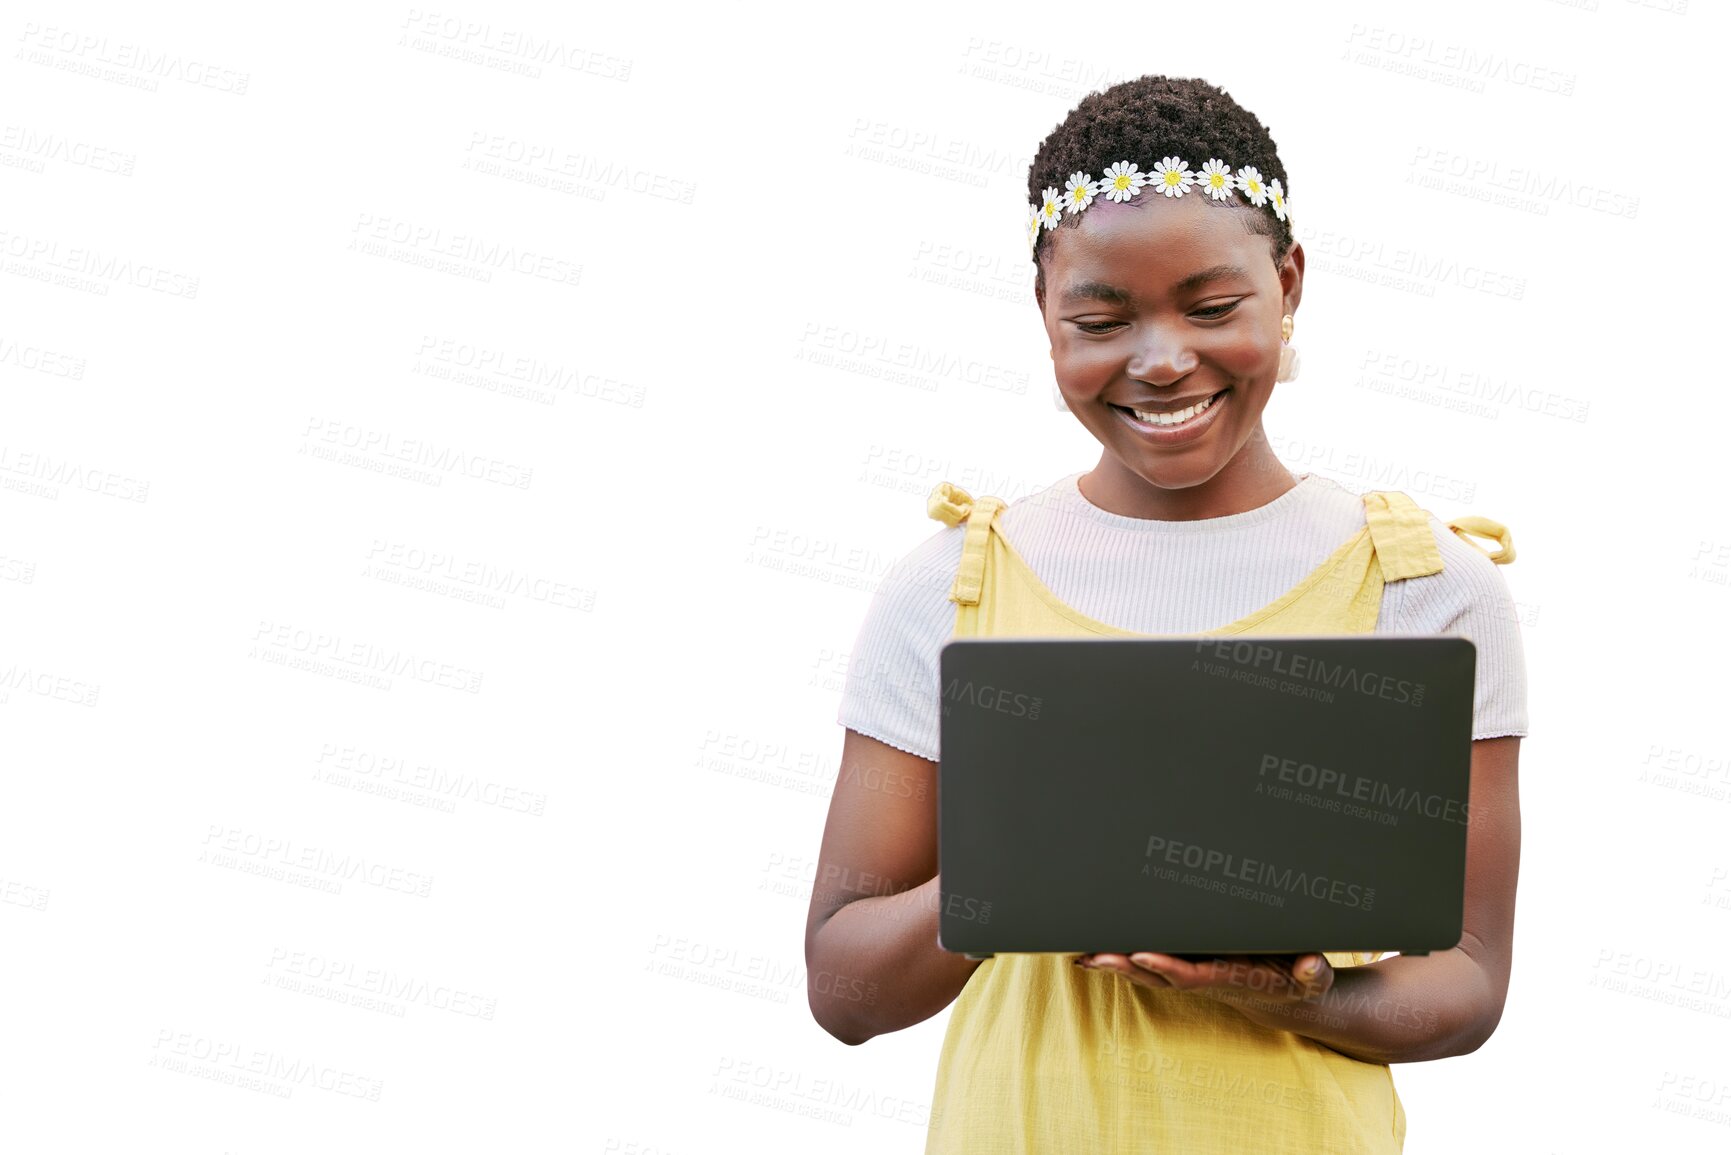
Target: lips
[(1170, 406), (1181, 432)]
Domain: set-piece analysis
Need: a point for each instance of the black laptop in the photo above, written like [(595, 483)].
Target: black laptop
[(1204, 796)]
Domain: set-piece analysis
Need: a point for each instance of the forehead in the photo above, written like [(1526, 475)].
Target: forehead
[(1155, 249)]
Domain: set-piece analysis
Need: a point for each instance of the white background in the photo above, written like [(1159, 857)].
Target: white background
[(238, 359)]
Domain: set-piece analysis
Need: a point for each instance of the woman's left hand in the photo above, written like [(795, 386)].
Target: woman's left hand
[(1270, 978)]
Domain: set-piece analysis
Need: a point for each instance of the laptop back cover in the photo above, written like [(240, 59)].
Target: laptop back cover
[(1208, 796)]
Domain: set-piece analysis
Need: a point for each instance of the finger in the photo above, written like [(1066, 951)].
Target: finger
[(1104, 962), (1281, 972), (1312, 974), (1139, 975), (1236, 970), (1277, 974), (1230, 970), (1164, 969), (1259, 974), (1151, 968)]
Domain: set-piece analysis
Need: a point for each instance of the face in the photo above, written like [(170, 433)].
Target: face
[(1159, 306)]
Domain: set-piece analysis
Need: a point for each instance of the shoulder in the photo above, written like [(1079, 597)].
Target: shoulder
[(1053, 508), (1469, 588), (890, 692), (1326, 499), (910, 613), (927, 570), (1470, 598)]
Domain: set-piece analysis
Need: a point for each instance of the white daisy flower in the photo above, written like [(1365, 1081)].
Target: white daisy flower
[(1251, 182), (1050, 211), (1173, 176), (1033, 226), (1216, 179), (1079, 193), (1122, 181), (1278, 197)]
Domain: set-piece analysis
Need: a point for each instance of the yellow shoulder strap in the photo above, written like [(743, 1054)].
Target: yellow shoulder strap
[(1405, 546), (1401, 533), (951, 504)]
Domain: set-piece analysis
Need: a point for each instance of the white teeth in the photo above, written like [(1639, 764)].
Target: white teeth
[(1177, 418)]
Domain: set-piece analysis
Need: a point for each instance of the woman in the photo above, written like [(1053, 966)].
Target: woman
[(1167, 277)]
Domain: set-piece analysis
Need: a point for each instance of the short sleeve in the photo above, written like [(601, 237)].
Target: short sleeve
[(891, 692), (1470, 598)]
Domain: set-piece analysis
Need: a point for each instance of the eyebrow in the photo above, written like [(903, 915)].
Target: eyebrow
[(1208, 276), (1113, 295)]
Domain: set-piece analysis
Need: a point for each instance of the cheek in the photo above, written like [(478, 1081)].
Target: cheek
[(1082, 365), (1246, 357)]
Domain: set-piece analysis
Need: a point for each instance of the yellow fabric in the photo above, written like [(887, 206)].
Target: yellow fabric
[(1485, 527), (1043, 1058)]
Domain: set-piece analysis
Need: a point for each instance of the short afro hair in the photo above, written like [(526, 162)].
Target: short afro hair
[(1152, 117)]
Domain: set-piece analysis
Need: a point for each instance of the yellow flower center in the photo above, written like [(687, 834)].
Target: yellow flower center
[(1172, 178), (1121, 181)]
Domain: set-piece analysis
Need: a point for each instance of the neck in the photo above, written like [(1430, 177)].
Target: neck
[(1253, 478)]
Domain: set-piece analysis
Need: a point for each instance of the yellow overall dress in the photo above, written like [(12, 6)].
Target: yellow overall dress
[(1042, 1057)]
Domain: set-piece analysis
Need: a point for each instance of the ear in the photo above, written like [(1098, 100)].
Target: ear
[(1292, 278)]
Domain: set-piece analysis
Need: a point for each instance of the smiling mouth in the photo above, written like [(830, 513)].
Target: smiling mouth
[(1175, 418)]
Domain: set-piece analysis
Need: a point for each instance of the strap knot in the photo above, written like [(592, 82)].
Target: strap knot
[(953, 505), (1401, 534), (949, 504), (1485, 527)]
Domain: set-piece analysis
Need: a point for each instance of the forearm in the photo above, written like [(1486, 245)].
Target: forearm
[(875, 965), (1399, 1010)]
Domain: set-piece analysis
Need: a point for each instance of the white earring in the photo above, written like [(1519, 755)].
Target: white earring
[(1288, 352), (1058, 394)]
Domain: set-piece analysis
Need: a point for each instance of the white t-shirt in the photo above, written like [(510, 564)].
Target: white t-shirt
[(1170, 577)]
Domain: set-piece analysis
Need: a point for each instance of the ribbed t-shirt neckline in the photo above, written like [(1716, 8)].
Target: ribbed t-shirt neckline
[(1067, 497)]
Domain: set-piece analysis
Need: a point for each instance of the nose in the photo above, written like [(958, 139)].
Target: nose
[(1161, 356)]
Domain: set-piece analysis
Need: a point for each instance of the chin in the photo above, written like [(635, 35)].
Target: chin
[(1180, 475)]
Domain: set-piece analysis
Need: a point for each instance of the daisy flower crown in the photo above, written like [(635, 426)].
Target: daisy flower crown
[(1171, 177)]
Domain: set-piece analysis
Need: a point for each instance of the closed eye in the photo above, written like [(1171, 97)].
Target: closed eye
[(1213, 312)]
